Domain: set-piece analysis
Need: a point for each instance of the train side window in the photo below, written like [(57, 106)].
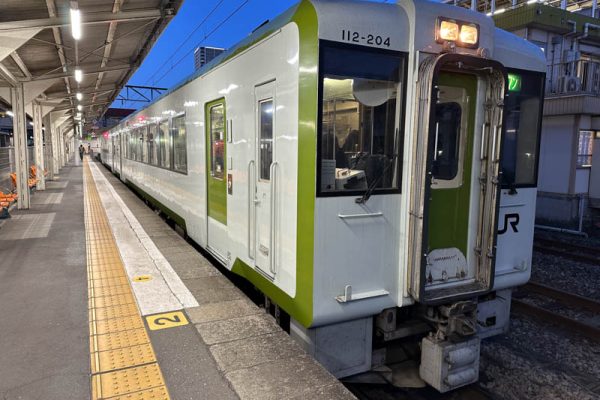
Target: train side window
[(179, 144), (144, 141), (360, 114), (217, 141), (151, 144), (523, 108), (266, 139), (164, 144)]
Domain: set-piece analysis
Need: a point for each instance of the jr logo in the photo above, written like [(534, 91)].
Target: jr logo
[(512, 220)]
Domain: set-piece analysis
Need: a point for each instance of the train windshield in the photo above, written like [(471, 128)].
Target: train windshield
[(359, 143), (523, 108)]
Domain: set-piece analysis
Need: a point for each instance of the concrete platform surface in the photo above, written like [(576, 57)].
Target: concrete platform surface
[(230, 342), (44, 348), (208, 339)]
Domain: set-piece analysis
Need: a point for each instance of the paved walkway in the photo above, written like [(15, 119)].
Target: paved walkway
[(44, 347), (161, 322)]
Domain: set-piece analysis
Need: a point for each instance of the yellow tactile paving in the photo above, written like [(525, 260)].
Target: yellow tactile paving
[(126, 381), (122, 339), (124, 357), (111, 301), (122, 360), (105, 326), (158, 393), (118, 311)]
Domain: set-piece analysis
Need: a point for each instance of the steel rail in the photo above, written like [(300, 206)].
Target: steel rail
[(568, 299), (589, 331)]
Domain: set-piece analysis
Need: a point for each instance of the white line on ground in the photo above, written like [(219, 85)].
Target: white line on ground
[(165, 292)]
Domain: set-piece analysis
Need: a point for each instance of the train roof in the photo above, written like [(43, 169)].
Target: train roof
[(388, 19)]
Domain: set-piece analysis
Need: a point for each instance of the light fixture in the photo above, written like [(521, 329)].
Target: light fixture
[(468, 34), (10, 113), (78, 75), (79, 107), (462, 33), (448, 30), (30, 123), (79, 96), (76, 24)]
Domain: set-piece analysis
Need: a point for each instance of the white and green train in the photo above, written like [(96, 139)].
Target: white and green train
[(371, 168)]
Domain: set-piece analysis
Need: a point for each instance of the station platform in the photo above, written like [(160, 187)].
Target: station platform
[(101, 299)]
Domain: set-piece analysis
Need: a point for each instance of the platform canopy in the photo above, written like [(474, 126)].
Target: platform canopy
[(38, 49)]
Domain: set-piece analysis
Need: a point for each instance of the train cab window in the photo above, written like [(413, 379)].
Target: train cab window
[(450, 137), (523, 108), (151, 145), (179, 144), (217, 141), (164, 145), (359, 135), (447, 141), (266, 139)]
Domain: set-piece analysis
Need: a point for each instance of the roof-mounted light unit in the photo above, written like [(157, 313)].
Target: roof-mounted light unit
[(78, 75), (79, 96), (79, 107), (10, 113)]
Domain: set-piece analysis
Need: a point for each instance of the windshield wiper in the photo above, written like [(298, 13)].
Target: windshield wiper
[(365, 197)]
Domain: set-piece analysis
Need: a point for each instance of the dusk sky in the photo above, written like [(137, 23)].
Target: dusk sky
[(201, 22)]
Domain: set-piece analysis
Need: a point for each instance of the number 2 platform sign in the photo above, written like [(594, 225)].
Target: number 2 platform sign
[(166, 320)]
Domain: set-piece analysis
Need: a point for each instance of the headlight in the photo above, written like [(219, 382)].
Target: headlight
[(464, 34), (468, 34), (448, 31)]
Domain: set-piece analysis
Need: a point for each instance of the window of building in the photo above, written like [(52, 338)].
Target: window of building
[(179, 141), (584, 149), (217, 141), (266, 139), (522, 128), (164, 144), (359, 143)]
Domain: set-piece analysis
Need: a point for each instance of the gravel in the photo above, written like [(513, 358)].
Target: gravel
[(568, 275), (538, 361)]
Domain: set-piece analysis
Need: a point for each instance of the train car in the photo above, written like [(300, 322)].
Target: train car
[(371, 168)]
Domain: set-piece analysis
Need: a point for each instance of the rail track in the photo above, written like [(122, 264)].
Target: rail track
[(576, 252), (566, 299), (364, 391)]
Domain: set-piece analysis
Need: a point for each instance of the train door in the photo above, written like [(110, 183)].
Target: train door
[(454, 223), (216, 185), (265, 179), (451, 186)]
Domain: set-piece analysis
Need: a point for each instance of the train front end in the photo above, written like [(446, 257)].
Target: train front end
[(428, 132)]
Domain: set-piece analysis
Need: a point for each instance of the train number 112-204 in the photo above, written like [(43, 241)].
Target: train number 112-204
[(357, 37)]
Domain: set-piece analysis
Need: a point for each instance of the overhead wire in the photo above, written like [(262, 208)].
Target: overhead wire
[(204, 39), (186, 39)]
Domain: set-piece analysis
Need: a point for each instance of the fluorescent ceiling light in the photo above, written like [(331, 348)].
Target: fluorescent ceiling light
[(10, 113), (78, 75), (76, 24), (30, 123), (79, 96), (79, 107)]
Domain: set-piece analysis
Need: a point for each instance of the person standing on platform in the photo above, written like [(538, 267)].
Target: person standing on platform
[(81, 150)]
